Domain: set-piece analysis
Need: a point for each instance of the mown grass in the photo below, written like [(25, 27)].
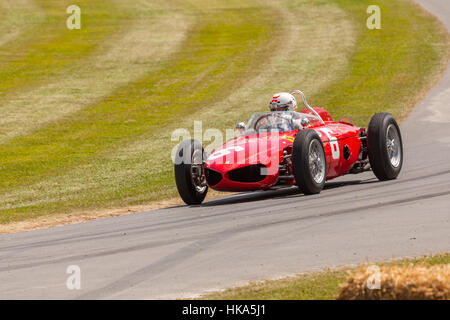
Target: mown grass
[(115, 151), (392, 67), (313, 286), (220, 48)]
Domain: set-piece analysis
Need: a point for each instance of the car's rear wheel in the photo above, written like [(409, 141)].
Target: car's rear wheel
[(385, 146), (309, 162), (190, 173)]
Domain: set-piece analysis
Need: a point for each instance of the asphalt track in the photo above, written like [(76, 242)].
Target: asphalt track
[(182, 251)]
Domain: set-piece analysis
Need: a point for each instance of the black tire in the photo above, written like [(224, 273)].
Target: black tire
[(303, 174), (183, 172), (384, 164)]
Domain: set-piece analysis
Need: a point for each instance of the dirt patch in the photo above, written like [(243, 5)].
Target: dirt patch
[(50, 221), (45, 222)]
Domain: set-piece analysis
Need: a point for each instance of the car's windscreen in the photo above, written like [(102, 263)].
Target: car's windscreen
[(275, 121)]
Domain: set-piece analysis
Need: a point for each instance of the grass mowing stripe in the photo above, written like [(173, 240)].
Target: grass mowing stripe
[(16, 18), (213, 56), (49, 46)]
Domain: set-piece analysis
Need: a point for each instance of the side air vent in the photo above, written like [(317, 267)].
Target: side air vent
[(253, 173), (213, 177)]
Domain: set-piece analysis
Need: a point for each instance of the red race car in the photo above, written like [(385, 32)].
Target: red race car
[(285, 148)]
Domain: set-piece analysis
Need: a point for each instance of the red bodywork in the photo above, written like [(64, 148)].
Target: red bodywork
[(342, 142)]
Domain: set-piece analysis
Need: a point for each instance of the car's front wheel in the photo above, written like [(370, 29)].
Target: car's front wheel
[(190, 173), (309, 162)]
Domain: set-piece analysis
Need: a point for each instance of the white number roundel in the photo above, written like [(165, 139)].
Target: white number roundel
[(334, 143)]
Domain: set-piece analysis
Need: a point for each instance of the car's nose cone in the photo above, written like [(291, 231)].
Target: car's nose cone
[(245, 163)]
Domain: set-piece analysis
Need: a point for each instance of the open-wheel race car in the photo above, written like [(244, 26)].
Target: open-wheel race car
[(286, 148)]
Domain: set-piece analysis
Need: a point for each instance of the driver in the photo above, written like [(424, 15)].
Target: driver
[(283, 101)]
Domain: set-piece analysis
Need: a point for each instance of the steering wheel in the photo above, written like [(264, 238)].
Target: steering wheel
[(268, 116)]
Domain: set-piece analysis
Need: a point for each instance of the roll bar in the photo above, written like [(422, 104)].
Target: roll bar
[(307, 105)]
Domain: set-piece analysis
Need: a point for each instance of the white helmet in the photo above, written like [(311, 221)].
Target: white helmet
[(283, 101)]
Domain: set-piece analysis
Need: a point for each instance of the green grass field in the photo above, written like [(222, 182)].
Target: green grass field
[(312, 286), (86, 115)]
